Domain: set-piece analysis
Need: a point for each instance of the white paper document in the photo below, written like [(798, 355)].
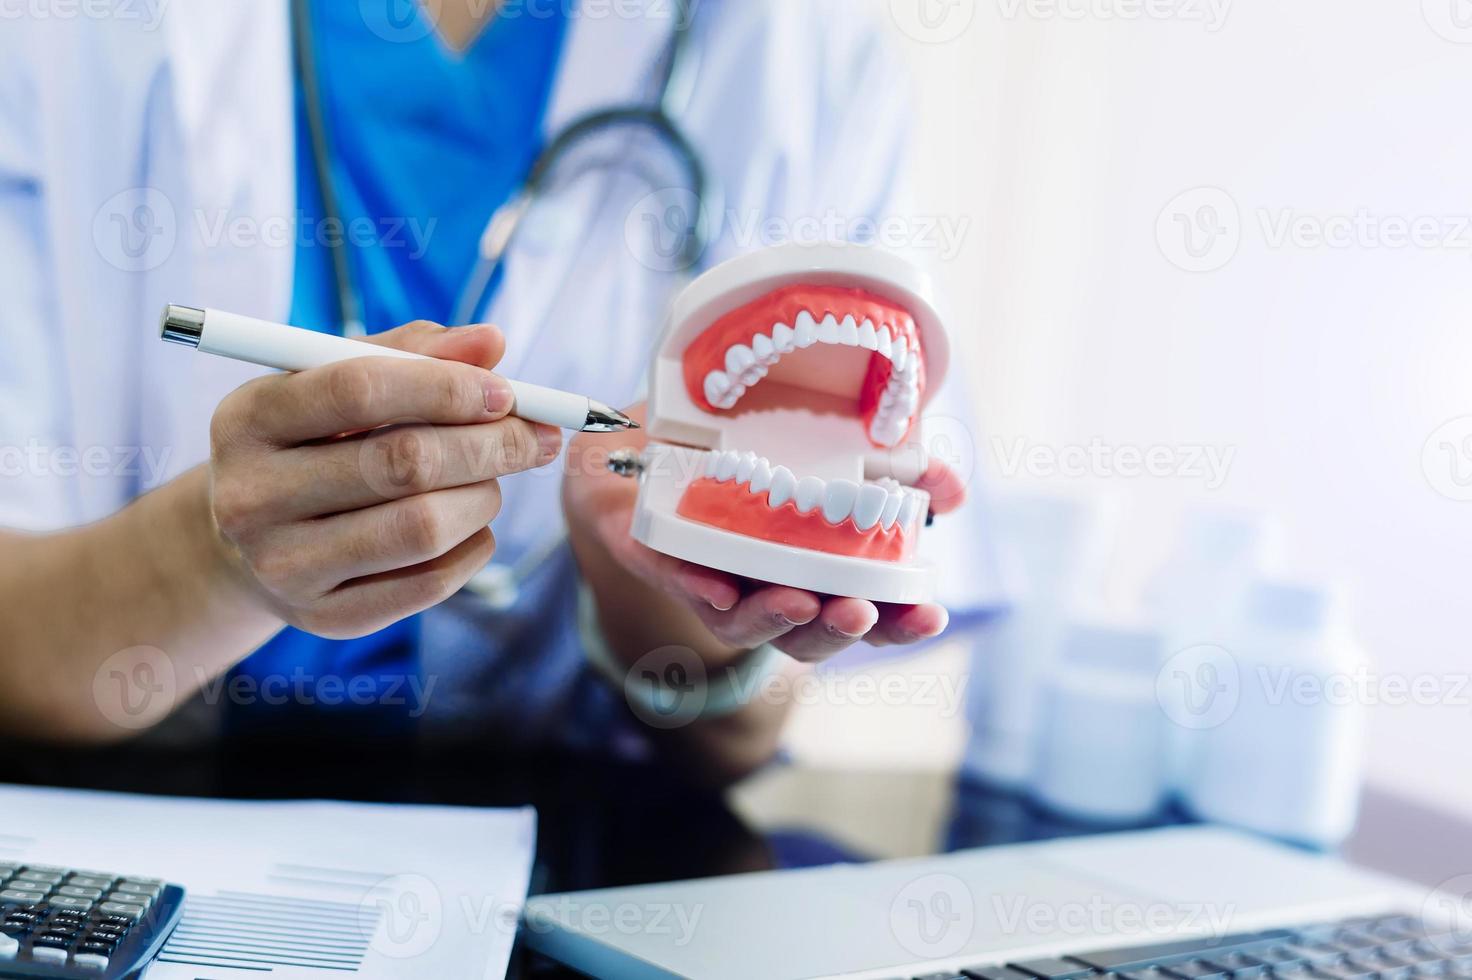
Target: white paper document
[(299, 891)]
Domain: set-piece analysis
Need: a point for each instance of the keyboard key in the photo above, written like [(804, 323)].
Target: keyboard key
[(40, 877), (25, 897), (49, 869), (1053, 969), (98, 946), (994, 973), (138, 888), (1141, 957), (49, 954), (90, 961), (9, 947), (123, 909), (121, 921), (1197, 970), (90, 881), (75, 891), (125, 898), (159, 882), (67, 902)]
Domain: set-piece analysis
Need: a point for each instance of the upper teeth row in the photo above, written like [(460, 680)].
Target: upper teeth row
[(884, 503), (745, 366)]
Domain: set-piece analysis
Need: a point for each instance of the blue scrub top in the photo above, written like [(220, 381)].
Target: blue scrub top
[(427, 143)]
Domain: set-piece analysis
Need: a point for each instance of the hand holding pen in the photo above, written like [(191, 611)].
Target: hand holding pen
[(343, 517)]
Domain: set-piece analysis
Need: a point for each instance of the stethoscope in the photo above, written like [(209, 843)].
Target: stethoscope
[(500, 585)]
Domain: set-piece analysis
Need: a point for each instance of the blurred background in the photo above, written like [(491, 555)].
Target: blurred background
[(1237, 235)]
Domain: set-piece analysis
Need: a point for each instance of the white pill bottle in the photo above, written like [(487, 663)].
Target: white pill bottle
[(1279, 751)]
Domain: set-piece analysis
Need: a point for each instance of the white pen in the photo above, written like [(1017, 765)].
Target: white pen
[(276, 345)]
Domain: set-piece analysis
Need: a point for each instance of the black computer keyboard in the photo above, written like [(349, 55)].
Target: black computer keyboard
[(60, 923), (1391, 947)]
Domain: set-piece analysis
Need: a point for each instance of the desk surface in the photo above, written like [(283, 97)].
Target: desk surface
[(605, 825)]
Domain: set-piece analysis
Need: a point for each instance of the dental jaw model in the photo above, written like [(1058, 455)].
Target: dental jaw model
[(784, 410)]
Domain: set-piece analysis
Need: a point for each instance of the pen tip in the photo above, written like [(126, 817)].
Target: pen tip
[(634, 425)]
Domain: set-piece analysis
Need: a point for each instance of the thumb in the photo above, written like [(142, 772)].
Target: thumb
[(482, 345)]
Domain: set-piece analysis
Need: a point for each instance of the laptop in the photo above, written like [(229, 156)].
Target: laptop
[(1182, 903)]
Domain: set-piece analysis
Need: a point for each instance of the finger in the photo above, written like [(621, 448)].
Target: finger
[(946, 488), (400, 534), (899, 625), (841, 624), (481, 345), (767, 614), (377, 601), (401, 461), (368, 392), (682, 579)]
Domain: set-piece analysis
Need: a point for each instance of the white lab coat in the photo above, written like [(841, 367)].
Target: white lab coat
[(146, 163)]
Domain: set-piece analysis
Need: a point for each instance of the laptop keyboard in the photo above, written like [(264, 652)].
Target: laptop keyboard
[(1391, 947)]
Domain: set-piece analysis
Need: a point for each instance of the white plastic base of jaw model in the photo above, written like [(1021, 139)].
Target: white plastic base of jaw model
[(668, 470)]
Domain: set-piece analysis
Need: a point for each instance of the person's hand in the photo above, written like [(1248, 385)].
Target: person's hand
[(739, 613), (356, 494)]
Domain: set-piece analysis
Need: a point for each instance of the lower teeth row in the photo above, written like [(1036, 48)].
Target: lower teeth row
[(885, 503)]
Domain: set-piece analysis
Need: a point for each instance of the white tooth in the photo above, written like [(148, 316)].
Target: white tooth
[(784, 485), (910, 510), (805, 331), (909, 400), (886, 342), (717, 383), (891, 508), (761, 476), (744, 466), (887, 431), (848, 332), (838, 501), (870, 506), (900, 356), (753, 374), (732, 397), (828, 330), (809, 493), (868, 336), (726, 466), (738, 359), (783, 338), (761, 346)]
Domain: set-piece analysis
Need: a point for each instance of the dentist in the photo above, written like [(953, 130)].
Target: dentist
[(220, 533)]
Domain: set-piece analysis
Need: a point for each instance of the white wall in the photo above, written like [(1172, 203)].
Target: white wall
[(1326, 370)]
